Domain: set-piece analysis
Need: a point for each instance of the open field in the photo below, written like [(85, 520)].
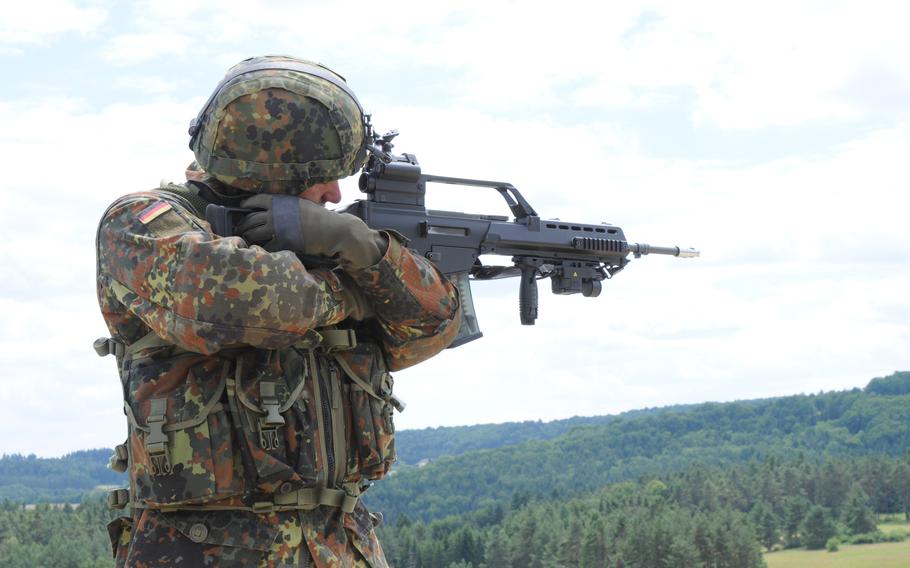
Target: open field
[(889, 524), (883, 555)]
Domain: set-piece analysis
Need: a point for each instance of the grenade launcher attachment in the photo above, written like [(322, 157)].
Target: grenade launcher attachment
[(576, 257)]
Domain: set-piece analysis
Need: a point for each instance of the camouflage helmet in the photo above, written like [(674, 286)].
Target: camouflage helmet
[(278, 124)]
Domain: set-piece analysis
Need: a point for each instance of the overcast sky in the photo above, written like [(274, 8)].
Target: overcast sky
[(774, 137)]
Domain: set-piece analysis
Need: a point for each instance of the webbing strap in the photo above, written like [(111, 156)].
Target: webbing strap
[(314, 497), (353, 376), (337, 339), (147, 341), (305, 499), (389, 397), (104, 346)]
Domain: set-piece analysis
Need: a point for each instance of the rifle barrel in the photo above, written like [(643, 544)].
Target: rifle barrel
[(639, 249)]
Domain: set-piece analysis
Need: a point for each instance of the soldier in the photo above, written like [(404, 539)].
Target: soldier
[(256, 385)]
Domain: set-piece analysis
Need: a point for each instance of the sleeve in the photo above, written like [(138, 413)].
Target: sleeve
[(416, 306), (203, 292)]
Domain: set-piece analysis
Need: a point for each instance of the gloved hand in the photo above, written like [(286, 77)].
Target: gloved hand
[(286, 222)]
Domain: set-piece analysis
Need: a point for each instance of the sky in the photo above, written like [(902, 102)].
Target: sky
[(771, 136)]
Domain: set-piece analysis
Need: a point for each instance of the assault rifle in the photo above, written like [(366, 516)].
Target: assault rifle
[(576, 257)]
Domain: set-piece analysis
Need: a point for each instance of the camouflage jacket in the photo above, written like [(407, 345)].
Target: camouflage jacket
[(236, 400)]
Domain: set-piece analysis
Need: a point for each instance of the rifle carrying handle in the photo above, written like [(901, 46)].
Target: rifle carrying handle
[(527, 294)]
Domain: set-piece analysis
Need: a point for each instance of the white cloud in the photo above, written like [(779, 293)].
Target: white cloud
[(147, 84), (37, 22), (735, 67), (133, 48)]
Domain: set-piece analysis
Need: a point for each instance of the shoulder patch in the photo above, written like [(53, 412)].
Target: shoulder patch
[(153, 211)]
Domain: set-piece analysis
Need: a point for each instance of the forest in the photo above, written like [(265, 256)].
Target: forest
[(701, 485), (702, 516)]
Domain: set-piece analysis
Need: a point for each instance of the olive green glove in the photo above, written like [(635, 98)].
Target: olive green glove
[(284, 222)]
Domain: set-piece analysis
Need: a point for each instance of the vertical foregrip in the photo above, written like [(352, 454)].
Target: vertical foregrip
[(527, 294)]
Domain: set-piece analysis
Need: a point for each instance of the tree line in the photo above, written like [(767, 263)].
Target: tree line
[(703, 516), (858, 422)]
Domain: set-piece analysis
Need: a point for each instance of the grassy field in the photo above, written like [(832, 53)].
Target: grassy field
[(894, 524), (883, 555)]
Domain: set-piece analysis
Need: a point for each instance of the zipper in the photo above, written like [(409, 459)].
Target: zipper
[(338, 425), (327, 429), (331, 420), (313, 371)]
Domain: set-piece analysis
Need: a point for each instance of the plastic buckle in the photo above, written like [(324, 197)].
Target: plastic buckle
[(268, 424), (161, 463), (385, 389), (118, 498), (263, 507), (348, 502), (119, 461), (268, 438), (156, 439), (334, 340), (104, 346)]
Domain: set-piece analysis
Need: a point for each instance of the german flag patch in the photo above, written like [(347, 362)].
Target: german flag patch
[(154, 211)]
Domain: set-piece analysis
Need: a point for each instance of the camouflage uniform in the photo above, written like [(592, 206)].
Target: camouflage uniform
[(258, 409)]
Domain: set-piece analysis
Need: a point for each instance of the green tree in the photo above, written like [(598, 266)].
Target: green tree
[(858, 517), (767, 525), (594, 545), (795, 508), (818, 527), (901, 482), (496, 550)]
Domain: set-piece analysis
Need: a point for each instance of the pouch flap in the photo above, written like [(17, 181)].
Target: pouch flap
[(187, 403), (241, 529), (273, 381)]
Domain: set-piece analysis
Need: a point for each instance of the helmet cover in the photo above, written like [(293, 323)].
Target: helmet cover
[(279, 124)]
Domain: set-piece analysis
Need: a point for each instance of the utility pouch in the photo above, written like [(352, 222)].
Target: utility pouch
[(180, 431), (120, 531), (269, 404), (372, 402)]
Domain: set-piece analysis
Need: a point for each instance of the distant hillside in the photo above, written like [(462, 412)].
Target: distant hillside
[(30, 479), (431, 443), (872, 421)]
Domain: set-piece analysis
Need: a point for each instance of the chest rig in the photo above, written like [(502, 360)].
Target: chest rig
[(253, 429)]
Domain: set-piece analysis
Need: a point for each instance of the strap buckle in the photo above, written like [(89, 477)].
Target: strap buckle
[(104, 346), (156, 439), (385, 389), (268, 424), (119, 461), (263, 507), (334, 340), (118, 498)]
